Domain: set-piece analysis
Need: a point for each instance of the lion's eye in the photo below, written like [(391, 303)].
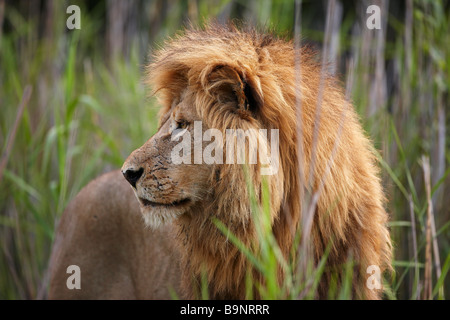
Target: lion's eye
[(181, 124), (178, 125)]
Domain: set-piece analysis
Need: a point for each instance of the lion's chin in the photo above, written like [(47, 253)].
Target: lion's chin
[(157, 214), (156, 217)]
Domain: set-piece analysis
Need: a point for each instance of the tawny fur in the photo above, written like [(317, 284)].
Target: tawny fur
[(234, 79)]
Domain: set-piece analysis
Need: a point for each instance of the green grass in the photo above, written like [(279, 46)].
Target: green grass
[(82, 120), (88, 112)]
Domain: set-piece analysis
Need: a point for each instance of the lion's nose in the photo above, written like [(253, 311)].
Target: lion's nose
[(133, 176)]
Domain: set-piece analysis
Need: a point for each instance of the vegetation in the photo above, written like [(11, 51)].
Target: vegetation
[(72, 106)]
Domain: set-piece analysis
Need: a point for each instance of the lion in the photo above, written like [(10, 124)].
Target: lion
[(225, 78)]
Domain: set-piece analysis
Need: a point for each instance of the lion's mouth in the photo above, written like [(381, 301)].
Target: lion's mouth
[(177, 203)]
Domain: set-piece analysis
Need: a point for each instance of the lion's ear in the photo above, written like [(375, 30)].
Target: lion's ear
[(230, 83)]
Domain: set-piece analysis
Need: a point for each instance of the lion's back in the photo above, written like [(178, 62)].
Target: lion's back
[(102, 232)]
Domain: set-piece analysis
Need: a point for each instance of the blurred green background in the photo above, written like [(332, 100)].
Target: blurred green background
[(88, 110)]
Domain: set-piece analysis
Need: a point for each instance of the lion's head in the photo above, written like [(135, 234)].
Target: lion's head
[(212, 110)]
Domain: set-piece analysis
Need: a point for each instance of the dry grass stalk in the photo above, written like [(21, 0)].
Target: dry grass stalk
[(428, 258), (414, 242)]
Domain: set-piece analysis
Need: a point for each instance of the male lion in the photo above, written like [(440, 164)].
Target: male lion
[(227, 79)]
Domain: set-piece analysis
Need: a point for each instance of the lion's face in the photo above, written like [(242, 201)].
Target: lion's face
[(165, 189), (212, 122)]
